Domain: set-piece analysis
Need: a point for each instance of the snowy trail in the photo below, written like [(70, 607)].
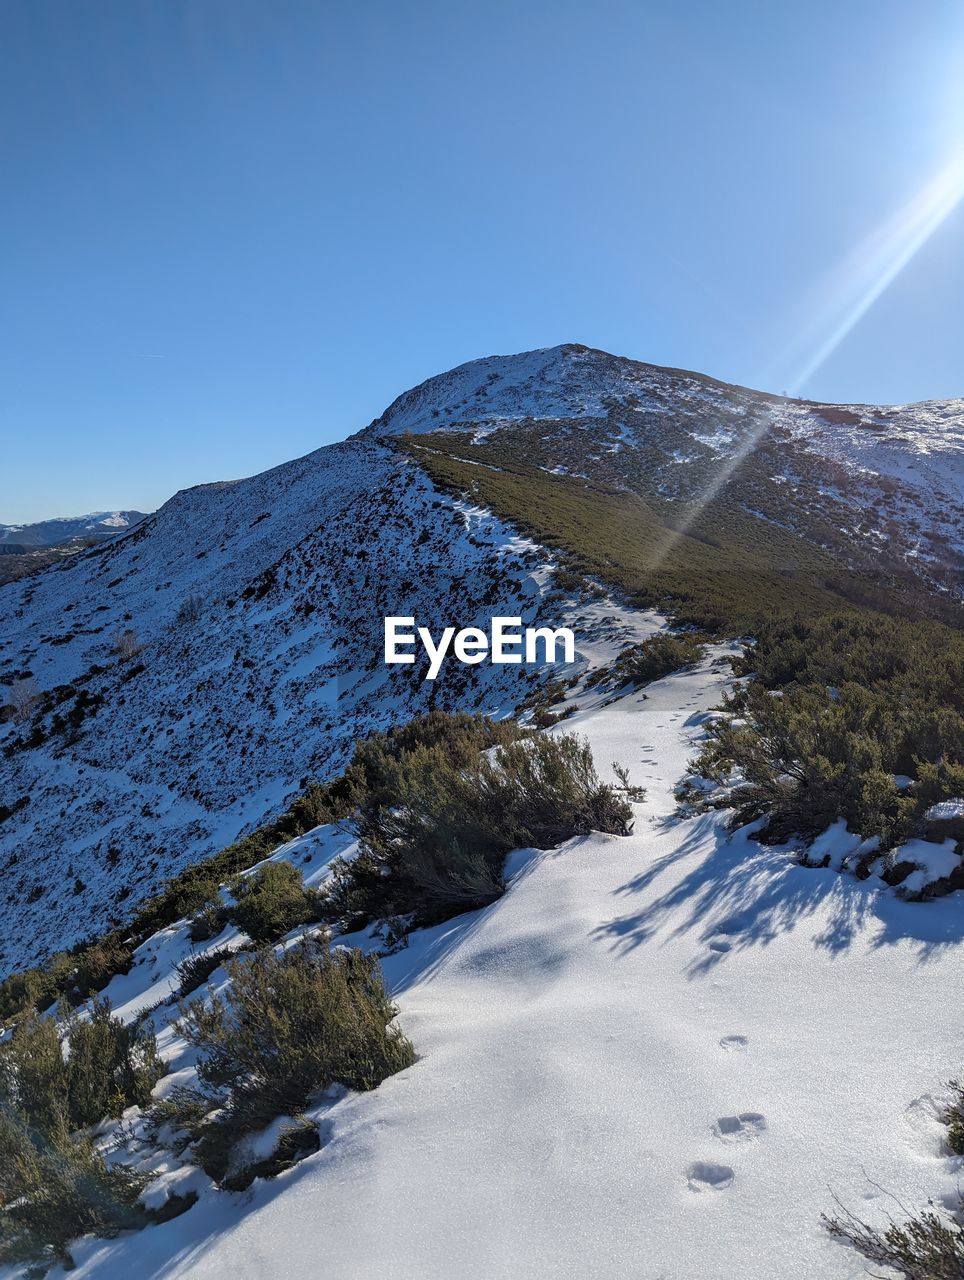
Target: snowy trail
[(657, 1056)]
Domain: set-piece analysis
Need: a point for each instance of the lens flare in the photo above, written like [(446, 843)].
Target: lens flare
[(876, 263), (857, 285)]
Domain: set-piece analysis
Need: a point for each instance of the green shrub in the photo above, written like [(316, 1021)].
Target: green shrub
[(289, 1026), (657, 656), (54, 1188), (53, 1185), (34, 1074), (954, 1119), (272, 901), (837, 709), (108, 1066), (209, 920), (194, 971), (435, 829), (22, 991), (97, 964), (111, 1065)]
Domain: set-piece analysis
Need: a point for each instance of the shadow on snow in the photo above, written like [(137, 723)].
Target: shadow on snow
[(738, 894)]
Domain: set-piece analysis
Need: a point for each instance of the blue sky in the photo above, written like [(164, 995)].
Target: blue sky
[(234, 230)]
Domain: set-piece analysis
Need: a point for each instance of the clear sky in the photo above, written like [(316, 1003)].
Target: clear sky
[(234, 230)]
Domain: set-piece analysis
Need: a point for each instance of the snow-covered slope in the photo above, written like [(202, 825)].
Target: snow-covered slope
[(874, 484), (256, 611), (194, 672), (655, 1056), (30, 548)]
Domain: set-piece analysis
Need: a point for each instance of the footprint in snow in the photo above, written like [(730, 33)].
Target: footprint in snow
[(720, 946), (703, 1175), (745, 1127), (734, 1044)]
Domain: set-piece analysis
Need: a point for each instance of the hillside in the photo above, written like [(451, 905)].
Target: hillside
[(662, 1000), (863, 499), (51, 533), (187, 678), (673, 1045)]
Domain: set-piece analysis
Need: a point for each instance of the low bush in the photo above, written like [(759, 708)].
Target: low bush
[(658, 656), (97, 964), (437, 824), (272, 901), (55, 1187), (290, 1025), (108, 1066), (74, 975), (195, 970), (836, 712), (954, 1119), (928, 1246), (209, 921)]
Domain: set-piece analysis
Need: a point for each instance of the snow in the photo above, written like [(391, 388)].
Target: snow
[(933, 861), (836, 846), (655, 1056), (238, 704), (285, 578), (945, 811)]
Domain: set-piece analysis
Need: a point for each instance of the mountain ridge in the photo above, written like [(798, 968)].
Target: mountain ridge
[(190, 674), (58, 529)]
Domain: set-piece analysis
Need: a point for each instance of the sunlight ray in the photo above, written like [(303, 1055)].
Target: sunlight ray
[(857, 285)]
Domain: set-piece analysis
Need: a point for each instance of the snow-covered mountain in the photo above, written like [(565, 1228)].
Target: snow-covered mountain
[(51, 533), (252, 660), (881, 486), (27, 548), (187, 677), (663, 1054)]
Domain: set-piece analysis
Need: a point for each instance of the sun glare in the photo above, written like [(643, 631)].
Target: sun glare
[(876, 263), (852, 291)]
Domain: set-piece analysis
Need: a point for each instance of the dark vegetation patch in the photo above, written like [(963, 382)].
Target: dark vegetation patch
[(271, 901), (8, 810), (195, 970), (714, 566), (659, 655), (954, 1119), (437, 814), (289, 1026), (837, 709), (54, 1185)]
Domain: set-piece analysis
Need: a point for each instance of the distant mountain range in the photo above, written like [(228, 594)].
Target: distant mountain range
[(26, 548), (54, 533)]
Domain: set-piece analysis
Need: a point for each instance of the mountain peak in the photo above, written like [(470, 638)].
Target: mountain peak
[(567, 380)]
